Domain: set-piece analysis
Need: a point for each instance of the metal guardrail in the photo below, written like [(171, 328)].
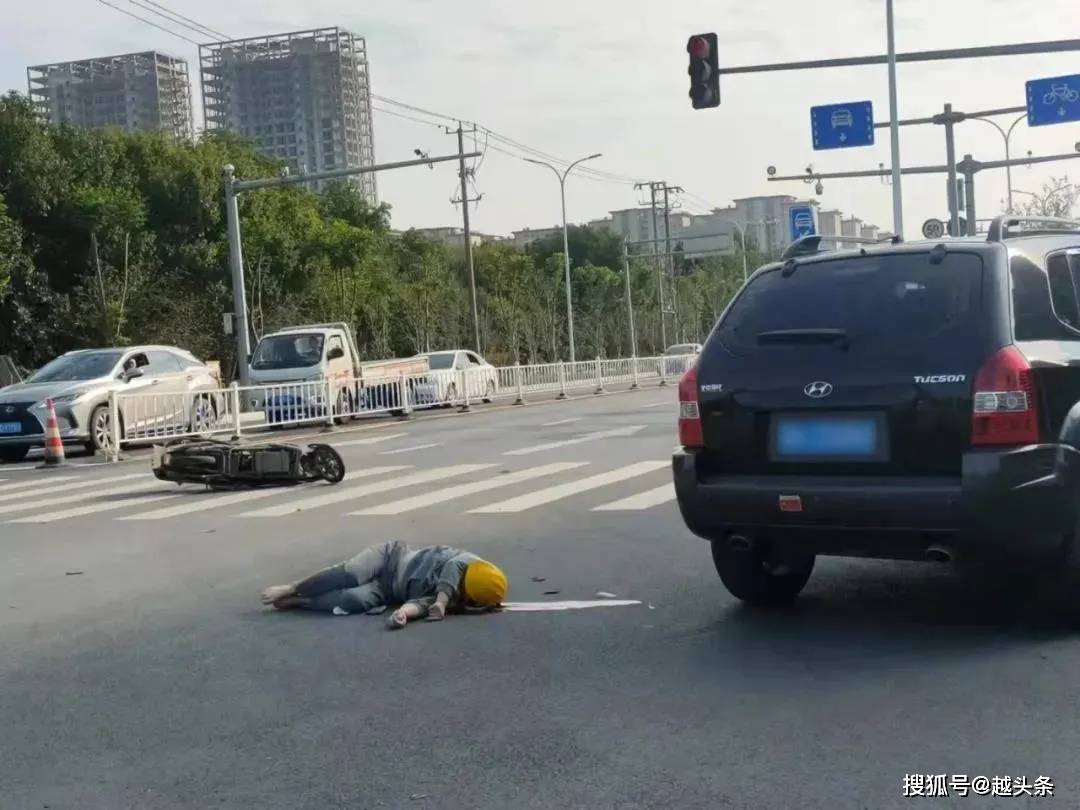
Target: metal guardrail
[(237, 410)]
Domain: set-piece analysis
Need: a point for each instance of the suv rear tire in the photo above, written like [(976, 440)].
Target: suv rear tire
[(746, 575)]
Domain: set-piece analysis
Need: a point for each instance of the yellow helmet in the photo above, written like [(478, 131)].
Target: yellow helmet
[(485, 583)]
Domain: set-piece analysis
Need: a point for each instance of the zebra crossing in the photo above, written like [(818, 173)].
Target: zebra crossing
[(475, 489)]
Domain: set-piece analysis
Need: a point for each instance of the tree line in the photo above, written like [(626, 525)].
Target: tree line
[(111, 239)]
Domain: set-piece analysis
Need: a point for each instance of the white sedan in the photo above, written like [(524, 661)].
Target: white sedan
[(457, 371)]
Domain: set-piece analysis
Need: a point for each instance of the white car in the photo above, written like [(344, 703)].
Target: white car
[(679, 358), (455, 371)]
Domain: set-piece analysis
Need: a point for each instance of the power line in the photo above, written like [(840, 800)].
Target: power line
[(176, 17), (148, 22), (406, 117)]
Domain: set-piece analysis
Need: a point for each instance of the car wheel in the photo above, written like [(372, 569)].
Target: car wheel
[(14, 452), (747, 576), (101, 430), (343, 406), (203, 417), (489, 393)]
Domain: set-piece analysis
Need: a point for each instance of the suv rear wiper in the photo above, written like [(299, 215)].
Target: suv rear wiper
[(805, 336)]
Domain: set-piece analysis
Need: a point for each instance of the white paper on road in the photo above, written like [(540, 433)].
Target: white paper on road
[(198, 501), (586, 437), (368, 440), (555, 493), (461, 490), (535, 607), (61, 495), (349, 493), (643, 500)]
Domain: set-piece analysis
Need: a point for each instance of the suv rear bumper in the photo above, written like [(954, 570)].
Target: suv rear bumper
[(1006, 503)]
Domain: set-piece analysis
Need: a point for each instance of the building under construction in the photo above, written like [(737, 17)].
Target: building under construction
[(138, 92), (303, 98)]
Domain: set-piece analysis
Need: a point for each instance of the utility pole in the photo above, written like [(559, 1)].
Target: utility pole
[(894, 129), (653, 186), (670, 259), (463, 173)]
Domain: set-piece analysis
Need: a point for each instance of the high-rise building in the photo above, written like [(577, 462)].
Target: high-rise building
[(304, 98), (138, 92)]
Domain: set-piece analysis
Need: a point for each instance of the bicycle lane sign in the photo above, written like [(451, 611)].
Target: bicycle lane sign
[(1055, 100)]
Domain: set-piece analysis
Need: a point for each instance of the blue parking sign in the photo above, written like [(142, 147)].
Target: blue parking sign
[(801, 219), (1053, 101), (841, 126)]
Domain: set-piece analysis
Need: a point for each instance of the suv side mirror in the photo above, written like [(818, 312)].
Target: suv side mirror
[(131, 373), (335, 353)]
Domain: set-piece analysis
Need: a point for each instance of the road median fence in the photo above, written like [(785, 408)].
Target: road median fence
[(238, 411)]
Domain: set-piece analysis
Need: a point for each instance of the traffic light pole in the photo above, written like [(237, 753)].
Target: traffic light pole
[(232, 189)]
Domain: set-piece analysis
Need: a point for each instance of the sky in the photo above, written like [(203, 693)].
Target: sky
[(574, 78)]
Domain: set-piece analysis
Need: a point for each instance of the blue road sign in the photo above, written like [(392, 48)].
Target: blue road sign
[(1053, 101), (841, 126), (801, 218)]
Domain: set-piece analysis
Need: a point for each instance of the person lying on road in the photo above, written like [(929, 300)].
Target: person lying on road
[(425, 582)]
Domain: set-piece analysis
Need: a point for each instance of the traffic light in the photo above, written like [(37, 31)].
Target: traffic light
[(704, 71)]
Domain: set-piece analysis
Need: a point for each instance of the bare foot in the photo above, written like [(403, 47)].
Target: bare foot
[(276, 592)]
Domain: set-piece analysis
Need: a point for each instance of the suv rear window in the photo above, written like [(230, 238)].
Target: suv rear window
[(888, 302)]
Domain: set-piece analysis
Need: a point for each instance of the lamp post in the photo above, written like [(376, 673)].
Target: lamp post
[(566, 241), (1005, 135)]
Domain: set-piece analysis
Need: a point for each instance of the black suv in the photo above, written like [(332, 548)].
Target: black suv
[(914, 401)]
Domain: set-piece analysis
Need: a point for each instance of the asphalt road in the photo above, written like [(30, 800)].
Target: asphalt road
[(138, 669)]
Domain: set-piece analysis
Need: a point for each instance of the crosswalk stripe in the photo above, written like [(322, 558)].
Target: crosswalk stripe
[(560, 491), (410, 449), (562, 421), (46, 503), (461, 490), (369, 440), (659, 404), (37, 482), (587, 437), (216, 500), (643, 500), (349, 493), (94, 508)]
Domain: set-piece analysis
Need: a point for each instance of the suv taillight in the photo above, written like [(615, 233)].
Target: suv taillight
[(690, 433), (1005, 409)]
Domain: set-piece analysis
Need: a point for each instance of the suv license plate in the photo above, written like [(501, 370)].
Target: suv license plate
[(829, 437), (10, 427)]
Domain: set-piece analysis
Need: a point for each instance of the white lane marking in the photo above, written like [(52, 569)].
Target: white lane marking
[(23, 467), (587, 437), (410, 449), (46, 503), (94, 508), (215, 500), (37, 482), (562, 421), (368, 440), (450, 493), (350, 493), (658, 404), (643, 500), (560, 491), (533, 607)]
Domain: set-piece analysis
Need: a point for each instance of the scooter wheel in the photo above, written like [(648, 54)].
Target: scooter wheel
[(328, 463)]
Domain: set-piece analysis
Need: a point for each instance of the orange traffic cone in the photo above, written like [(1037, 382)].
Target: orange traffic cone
[(54, 448)]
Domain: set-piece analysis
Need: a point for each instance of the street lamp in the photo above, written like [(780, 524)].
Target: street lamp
[(1005, 136), (565, 240)]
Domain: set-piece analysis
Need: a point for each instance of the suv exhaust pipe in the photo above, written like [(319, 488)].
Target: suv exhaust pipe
[(938, 554)]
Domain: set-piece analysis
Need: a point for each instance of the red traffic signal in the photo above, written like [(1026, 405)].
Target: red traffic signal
[(704, 71)]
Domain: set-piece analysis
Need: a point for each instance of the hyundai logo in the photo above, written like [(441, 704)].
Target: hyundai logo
[(9, 409), (818, 389)]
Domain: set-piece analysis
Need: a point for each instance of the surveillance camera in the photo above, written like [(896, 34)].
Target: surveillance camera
[(819, 189), (809, 169), (772, 169), (418, 153), (229, 169)]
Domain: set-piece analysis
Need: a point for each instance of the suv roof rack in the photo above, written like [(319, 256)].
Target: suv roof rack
[(809, 245), (1000, 225)]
